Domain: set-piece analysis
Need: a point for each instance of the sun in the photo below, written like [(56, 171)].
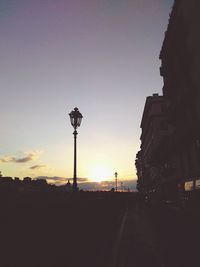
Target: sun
[(99, 173)]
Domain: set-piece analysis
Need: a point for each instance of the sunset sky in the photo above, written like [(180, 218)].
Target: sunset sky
[(99, 55)]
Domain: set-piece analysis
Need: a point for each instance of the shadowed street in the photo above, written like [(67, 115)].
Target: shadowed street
[(96, 229), (161, 235), (59, 229)]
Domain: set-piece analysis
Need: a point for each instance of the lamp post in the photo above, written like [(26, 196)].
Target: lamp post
[(116, 174), (75, 118)]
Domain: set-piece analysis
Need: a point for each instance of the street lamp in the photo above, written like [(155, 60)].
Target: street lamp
[(75, 118), (116, 174)]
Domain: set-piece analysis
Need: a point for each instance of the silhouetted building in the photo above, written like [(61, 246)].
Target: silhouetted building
[(180, 57), (138, 165), (27, 185), (27, 180), (155, 130), (169, 158), (69, 186)]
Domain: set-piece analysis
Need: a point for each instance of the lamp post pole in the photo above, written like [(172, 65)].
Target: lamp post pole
[(75, 118), (116, 174), (75, 187)]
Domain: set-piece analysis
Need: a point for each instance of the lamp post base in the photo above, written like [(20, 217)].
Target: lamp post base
[(75, 188)]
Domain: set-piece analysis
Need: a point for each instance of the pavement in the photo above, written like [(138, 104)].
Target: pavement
[(138, 246), (97, 230), (159, 237)]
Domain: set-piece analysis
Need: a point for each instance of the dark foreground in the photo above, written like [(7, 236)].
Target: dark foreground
[(98, 230), (58, 230)]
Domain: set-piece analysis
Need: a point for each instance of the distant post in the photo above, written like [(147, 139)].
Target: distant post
[(122, 187), (75, 118), (116, 174)]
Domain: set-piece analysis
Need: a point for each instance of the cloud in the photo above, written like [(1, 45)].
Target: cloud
[(107, 185), (28, 157), (36, 167), (84, 184), (59, 180)]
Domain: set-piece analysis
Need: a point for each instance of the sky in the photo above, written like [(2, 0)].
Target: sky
[(99, 55)]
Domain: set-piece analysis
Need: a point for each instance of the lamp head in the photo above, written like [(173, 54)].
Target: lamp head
[(75, 118)]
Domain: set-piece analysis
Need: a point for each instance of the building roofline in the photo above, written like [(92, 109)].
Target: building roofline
[(149, 101), (171, 22)]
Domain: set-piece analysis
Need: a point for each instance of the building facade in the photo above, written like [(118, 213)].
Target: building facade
[(171, 159), (155, 131)]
